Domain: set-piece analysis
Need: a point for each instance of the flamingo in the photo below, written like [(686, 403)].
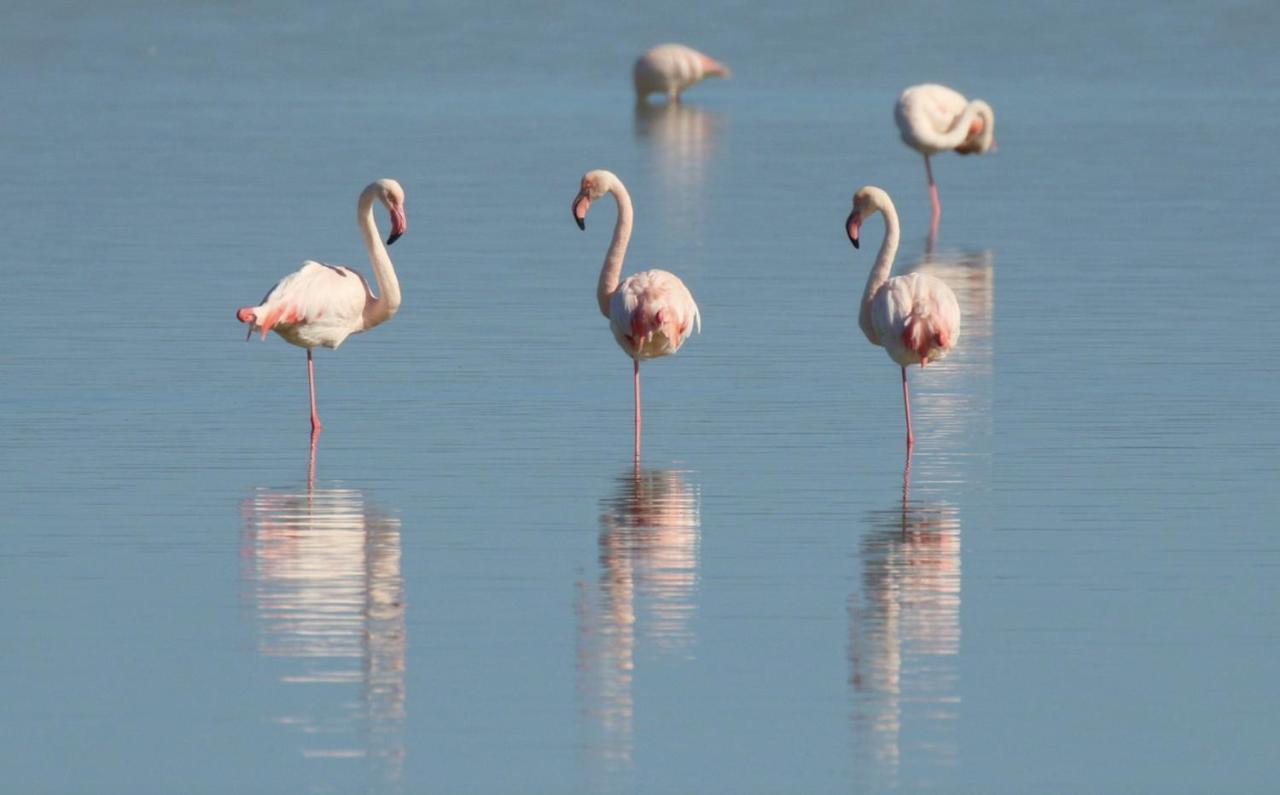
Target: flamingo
[(321, 304), (671, 68), (915, 317), (933, 118), (651, 313)]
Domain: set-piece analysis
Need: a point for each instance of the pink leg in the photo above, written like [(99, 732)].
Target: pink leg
[(906, 403), (637, 387), (933, 200), (311, 381)]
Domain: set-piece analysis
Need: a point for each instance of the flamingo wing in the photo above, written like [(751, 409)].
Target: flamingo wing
[(926, 112), (916, 318), (654, 301), (317, 304)]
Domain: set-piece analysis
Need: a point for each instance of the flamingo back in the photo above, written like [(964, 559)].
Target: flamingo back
[(652, 313), (926, 112), (916, 318), (671, 68), (316, 305)]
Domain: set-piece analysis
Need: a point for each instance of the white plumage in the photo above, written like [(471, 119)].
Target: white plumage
[(318, 305), (669, 69), (657, 300)]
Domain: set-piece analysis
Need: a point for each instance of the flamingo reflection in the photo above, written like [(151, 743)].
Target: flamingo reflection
[(322, 569), (649, 539), (682, 139), (904, 635)]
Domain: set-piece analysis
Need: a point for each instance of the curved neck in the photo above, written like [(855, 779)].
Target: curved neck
[(959, 132), (880, 271), (379, 308), (611, 271)]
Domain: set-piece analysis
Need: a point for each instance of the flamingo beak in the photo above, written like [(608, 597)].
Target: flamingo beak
[(580, 207), (852, 225), (398, 224)]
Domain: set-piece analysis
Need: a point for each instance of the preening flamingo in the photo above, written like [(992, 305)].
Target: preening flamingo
[(915, 317), (933, 118), (651, 313), (321, 304), (671, 68)]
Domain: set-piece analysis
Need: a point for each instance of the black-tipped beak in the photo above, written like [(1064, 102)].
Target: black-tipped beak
[(580, 207), (398, 224), (851, 225)]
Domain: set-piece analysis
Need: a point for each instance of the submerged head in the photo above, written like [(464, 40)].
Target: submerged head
[(389, 192), (867, 201), (982, 130), (594, 185)]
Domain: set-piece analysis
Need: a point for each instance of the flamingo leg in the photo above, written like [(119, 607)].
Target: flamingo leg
[(906, 404), (637, 389), (933, 200), (311, 382)]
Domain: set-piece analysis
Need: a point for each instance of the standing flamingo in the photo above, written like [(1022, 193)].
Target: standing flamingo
[(933, 118), (671, 68), (651, 313), (915, 317), (321, 304)]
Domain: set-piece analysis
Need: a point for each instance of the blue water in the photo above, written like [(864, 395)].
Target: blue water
[(471, 588)]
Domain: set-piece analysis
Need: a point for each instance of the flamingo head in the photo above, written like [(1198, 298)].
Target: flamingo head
[(391, 195), (866, 202), (594, 185), (982, 131)]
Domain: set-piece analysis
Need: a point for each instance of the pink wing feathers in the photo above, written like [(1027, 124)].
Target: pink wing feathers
[(652, 313), (316, 305), (916, 317)]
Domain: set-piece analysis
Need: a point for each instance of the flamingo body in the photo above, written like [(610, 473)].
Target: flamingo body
[(318, 305), (669, 69), (652, 313), (916, 318)]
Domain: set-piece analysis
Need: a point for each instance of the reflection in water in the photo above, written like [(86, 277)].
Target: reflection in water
[(954, 403), (682, 139), (322, 569), (648, 584), (904, 635)]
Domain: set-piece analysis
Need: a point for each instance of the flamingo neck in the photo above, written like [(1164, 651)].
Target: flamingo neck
[(611, 271), (378, 308), (880, 270)]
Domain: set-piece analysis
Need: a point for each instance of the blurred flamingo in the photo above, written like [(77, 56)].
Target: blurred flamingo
[(933, 118), (914, 317), (323, 304), (651, 313), (671, 68)]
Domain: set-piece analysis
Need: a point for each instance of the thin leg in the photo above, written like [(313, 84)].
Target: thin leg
[(933, 200), (637, 386), (906, 404), (311, 463), (311, 382)]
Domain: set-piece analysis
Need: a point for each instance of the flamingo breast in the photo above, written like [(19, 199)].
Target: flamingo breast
[(916, 318)]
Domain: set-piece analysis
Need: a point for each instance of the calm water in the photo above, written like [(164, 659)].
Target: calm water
[(1075, 588)]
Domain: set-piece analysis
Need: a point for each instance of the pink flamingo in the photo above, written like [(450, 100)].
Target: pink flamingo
[(651, 313), (321, 304), (671, 68), (933, 118), (915, 317)]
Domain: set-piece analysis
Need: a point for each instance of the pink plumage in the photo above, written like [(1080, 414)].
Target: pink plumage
[(669, 69), (914, 317), (321, 305), (932, 119), (651, 313)]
